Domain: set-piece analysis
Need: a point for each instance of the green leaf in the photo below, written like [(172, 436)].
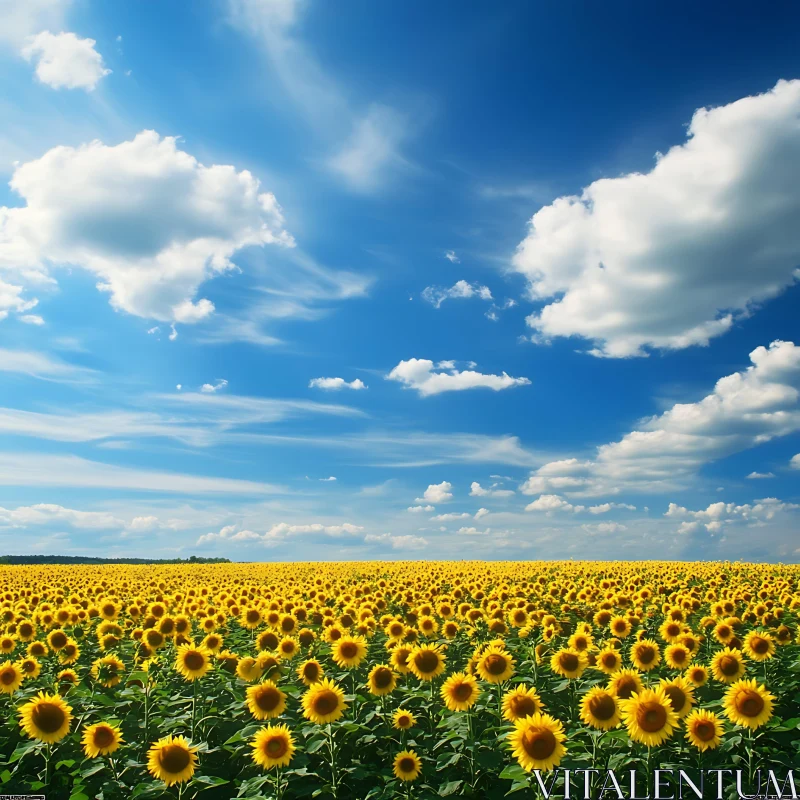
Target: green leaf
[(451, 787), (514, 772)]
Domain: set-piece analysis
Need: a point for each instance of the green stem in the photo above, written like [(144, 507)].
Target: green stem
[(332, 750), (194, 705)]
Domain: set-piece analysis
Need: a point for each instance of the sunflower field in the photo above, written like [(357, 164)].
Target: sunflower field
[(390, 679)]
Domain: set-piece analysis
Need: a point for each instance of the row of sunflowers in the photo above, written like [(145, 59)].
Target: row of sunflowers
[(378, 680)]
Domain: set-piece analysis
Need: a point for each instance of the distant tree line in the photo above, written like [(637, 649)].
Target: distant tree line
[(98, 560)]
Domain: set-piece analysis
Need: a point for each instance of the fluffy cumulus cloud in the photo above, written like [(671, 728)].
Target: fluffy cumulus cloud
[(604, 527), (420, 509), (451, 517), (280, 533), (427, 379), (210, 388), (146, 218), (48, 514), (745, 409), (552, 502), (336, 384), (795, 462), (403, 542), (65, 61), (437, 493), (604, 508), (476, 490), (668, 259), (755, 476), (460, 290), (719, 515)]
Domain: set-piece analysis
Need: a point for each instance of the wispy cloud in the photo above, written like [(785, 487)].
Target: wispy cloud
[(41, 365)]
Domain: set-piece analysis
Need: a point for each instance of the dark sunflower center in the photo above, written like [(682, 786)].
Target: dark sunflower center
[(103, 737), (749, 703), (651, 717), (728, 665), (174, 759), (462, 692), (349, 650), (646, 654), (602, 707), (609, 660), (569, 662), (759, 645), (396, 630), (404, 721), (268, 698), (496, 664), (287, 625), (311, 671), (677, 697), (269, 641), (523, 705), (25, 630), (58, 639), (406, 765), (48, 717), (326, 702), (673, 630), (723, 632), (7, 677), (539, 745), (382, 678), (275, 748), (426, 661), (253, 616), (626, 687), (194, 660), (28, 666), (704, 731)]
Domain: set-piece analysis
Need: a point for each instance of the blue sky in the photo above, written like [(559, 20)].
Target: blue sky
[(521, 278)]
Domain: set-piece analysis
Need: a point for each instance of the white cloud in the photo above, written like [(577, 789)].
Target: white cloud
[(405, 542), (64, 61), (451, 256), (335, 384), (460, 290), (604, 527), (668, 259), (754, 476), (552, 502), (372, 153), (480, 513), (476, 490), (437, 493), (472, 531), (604, 508), (420, 509), (40, 469), (210, 388), (32, 319), (48, 513), (719, 515), (41, 365), (147, 219), (745, 409), (11, 300), (418, 373), (18, 20), (450, 517), (795, 462), (328, 480)]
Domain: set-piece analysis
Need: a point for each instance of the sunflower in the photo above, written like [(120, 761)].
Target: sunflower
[(349, 651), (381, 680), (251, 618), (193, 662), (608, 660), (407, 766), (619, 627), (212, 642), (460, 691), (248, 669), (268, 640), (37, 649), (310, 671), (680, 693), (273, 746), (69, 653), (7, 644), (537, 742), (172, 760), (395, 630), (697, 675), (46, 717), (569, 663), (288, 648), (759, 646), (266, 700), (66, 679), (101, 739), (703, 729), (107, 670), (624, 683), (11, 676), (495, 664), (727, 665), (645, 655), (403, 719), (599, 709), (30, 667), (323, 702), (521, 702), (748, 704), (26, 631), (399, 658), (649, 717), (426, 662)]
